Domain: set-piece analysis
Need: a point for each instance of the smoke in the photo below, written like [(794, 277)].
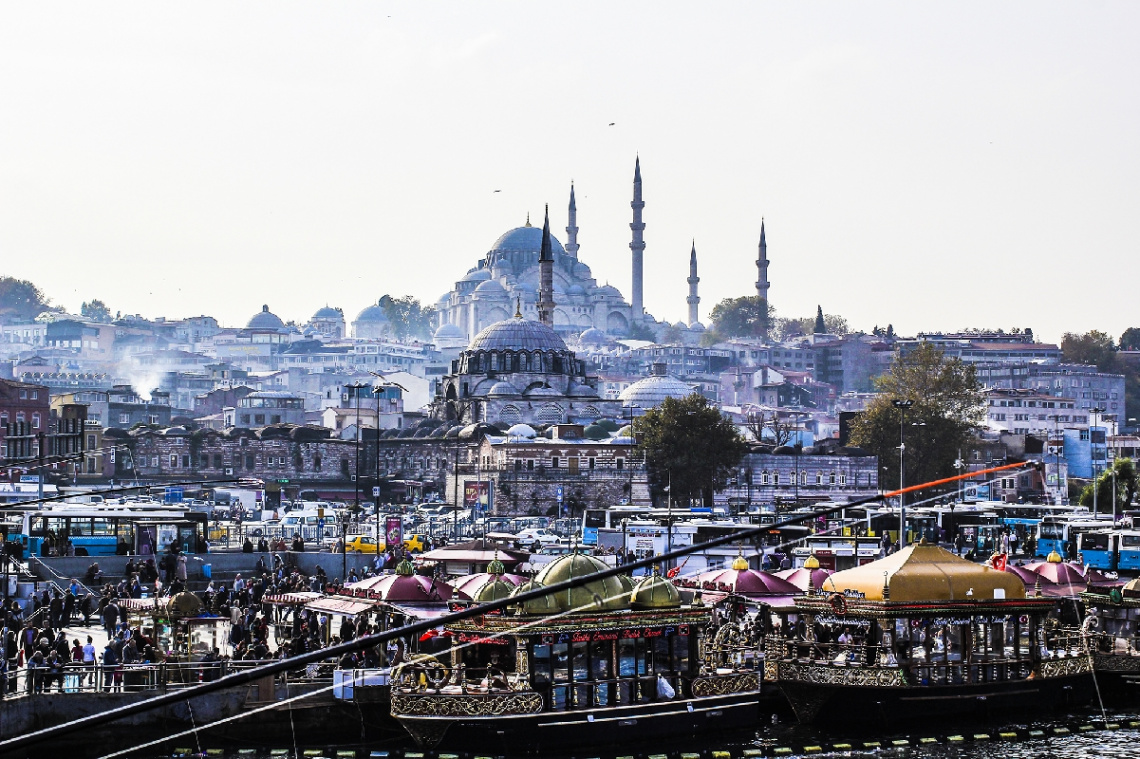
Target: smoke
[(142, 381)]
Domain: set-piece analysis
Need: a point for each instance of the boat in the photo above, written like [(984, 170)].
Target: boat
[(1112, 629), (608, 662), (924, 632)]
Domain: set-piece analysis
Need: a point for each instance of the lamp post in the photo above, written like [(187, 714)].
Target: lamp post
[(355, 386), (376, 390), (1092, 455), (902, 406)]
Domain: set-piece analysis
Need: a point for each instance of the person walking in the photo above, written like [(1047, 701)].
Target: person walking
[(110, 618)]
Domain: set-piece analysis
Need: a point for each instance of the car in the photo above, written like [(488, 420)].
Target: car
[(362, 544), (537, 535), (414, 543)]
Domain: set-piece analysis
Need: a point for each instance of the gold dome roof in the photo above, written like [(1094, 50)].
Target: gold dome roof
[(811, 562), (494, 589), (740, 563), (496, 567), (544, 605), (1054, 558), (655, 592), (599, 595)]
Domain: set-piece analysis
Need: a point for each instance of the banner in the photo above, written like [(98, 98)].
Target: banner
[(393, 532)]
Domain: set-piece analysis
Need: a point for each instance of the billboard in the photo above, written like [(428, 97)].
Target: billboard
[(393, 531), (477, 495)]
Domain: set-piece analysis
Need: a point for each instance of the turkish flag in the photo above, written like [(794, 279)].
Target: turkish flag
[(999, 561)]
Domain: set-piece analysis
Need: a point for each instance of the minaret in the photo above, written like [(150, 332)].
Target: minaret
[(693, 298), (546, 276), (572, 226), (638, 243), (762, 266)]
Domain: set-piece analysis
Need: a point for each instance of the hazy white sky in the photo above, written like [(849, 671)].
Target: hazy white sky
[(932, 165)]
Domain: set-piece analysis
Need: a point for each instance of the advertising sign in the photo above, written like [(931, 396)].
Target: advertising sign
[(393, 531), (477, 495)]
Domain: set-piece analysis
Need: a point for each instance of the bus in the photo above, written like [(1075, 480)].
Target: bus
[(1060, 534), (1110, 550), (109, 529), (594, 519)]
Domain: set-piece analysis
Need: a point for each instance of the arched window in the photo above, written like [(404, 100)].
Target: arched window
[(551, 413), (317, 462), (510, 414), (764, 477), (776, 479)]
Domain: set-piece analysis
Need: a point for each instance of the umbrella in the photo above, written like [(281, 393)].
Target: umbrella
[(468, 585), (800, 577), (746, 582)]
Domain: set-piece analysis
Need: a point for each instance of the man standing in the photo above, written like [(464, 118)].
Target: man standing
[(110, 618)]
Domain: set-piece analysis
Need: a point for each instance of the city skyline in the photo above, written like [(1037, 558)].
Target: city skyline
[(175, 163)]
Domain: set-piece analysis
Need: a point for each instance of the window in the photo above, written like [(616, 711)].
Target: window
[(259, 418), (276, 419), (317, 463), (764, 477), (553, 462), (530, 465), (842, 478), (819, 478), (185, 461), (831, 479), (124, 418), (775, 479), (245, 418), (154, 461), (217, 461), (249, 463), (35, 421), (23, 395), (173, 460), (591, 460), (620, 463)]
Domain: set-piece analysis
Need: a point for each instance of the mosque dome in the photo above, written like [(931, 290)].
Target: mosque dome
[(581, 270), (653, 390), (542, 392), (609, 290), (490, 287), (477, 275), (374, 313), (517, 334), (655, 592), (594, 432), (444, 300), (526, 239), (697, 327), (521, 431), (598, 595), (328, 312), (582, 391), (575, 290), (526, 287), (449, 331), (503, 388), (594, 336), (502, 268), (265, 319)]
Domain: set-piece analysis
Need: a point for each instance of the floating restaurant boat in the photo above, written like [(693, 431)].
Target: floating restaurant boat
[(923, 632), (607, 662), (1112, 629)]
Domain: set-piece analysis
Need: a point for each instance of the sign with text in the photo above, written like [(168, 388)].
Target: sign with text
[(477, 495), (393, 531)]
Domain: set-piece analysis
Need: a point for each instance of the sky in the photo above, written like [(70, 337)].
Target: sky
[(934, 166)]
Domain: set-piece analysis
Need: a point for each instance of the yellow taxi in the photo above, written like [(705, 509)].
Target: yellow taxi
[(414, 543), (362, 544)]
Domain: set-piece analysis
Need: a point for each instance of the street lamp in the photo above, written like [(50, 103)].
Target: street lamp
[(902, 406), (1092, 455)]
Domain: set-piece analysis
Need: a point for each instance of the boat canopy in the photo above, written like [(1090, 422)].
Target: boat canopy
[(924, 573)]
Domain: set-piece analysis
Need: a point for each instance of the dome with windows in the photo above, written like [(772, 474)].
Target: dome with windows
[(526, 239), (265, 320), (374, 313), (517, 334), (654, 389), (328, 312), (490, 287)]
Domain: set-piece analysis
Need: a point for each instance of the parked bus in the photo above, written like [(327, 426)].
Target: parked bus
[(595, 519), (109, 529), (1060, 534), (1110, 550)]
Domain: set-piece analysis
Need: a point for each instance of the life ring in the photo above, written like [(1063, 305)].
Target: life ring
[(838, 603)]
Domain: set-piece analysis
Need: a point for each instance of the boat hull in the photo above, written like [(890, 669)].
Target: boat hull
[(888, 704), (579, 728), (1118, 677)]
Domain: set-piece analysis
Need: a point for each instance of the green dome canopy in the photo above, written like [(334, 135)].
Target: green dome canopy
[(655, 592), (493, 590), (540, 606), (599, 595)]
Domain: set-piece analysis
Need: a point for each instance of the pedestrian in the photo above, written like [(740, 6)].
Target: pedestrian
[(110, 618), (89, 659)]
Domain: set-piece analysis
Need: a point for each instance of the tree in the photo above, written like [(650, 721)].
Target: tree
[(1130, 340), (759, 423), (96, 310), (409, 319), (748, 316), (20, 299), (689, 444), (819, 328), (640, 331), (671, 335), (1126, 486), (1093, 347), (948, 406), (833, 324)]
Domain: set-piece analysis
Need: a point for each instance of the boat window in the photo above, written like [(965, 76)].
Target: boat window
[(541, 665), (561, 663), (681, 653), (662, 658), (627, 658), (581, 674)]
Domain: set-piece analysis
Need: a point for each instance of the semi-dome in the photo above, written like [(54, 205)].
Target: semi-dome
[(581, 391), (517, 334), (490, 287), (328, 312), (655, 592), (543, 391), (265, 319), (503, 388), (598, 595), (607, 289), (652, 391), (374, 313), (526, 239), (575, 290), (449, 331)]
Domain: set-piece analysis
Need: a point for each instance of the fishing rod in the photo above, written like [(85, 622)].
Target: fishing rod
[(256, 673)]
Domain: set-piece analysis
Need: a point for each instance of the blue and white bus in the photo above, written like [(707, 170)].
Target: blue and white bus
[(1110, 550), (595, 519), (1060, 534), (108, 529)]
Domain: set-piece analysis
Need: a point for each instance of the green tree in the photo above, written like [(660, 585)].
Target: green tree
[(748, 316), (20, 299), (409, 319), (1126, 486), (687, 442), (947, 407), (671, 335), (833, 324), (819, 328), (1130, 340), (1093, 347), (96, 310), (639, 331)]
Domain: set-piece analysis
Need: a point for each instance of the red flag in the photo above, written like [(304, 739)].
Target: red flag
[(999, 560)]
